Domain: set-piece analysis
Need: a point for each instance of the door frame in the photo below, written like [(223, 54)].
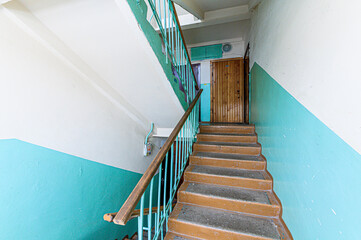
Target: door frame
[(245, 108)]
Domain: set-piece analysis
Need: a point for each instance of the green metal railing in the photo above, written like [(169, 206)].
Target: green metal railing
[(158, 186), (165, 16), (154, 194), (170, 172)]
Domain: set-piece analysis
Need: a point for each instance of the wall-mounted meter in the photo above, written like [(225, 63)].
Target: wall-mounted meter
[(147, 145), (147, 149)]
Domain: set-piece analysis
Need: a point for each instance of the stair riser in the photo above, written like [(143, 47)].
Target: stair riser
[(224, 138), (229, 181), (238, 164), (227, 149), (228, 204), (202, 232), (224, 129), (172, 236)]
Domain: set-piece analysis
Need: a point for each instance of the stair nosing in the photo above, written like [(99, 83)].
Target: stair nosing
[(175, 219), (202, 173), (204, 143), (230, 159), (228, 134), (232, 199), (252, 179)]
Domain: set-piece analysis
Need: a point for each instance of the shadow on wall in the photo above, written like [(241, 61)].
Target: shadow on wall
[(139, 9)]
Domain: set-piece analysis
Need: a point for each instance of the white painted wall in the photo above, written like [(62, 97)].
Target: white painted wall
[(97, 105), (106, 36), (312, 49)]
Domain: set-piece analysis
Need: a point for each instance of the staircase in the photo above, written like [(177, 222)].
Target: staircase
[(227, 191)]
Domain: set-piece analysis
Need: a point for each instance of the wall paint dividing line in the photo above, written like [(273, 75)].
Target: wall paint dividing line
[(46, 194), (316, 174)]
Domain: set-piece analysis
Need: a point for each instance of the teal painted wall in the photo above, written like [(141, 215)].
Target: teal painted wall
[(155, 41), (316, 174), (206, 102), (46, 194)]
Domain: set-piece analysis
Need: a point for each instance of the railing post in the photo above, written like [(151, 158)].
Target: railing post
[(165, 188), (159, 188), (140, 219), (150, 208), (171, 178)]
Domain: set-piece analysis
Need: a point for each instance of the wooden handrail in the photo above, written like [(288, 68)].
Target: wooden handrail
[(136, 213), (184, 43), (125, 212)]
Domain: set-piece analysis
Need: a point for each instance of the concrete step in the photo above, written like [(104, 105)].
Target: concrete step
[(175, 236), (227, 137), (227, 128), (209, 223), (228, 147), (227, 160), (257, 202), (228, 177)]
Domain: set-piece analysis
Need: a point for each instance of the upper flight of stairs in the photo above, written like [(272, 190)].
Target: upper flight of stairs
[(227, 191)]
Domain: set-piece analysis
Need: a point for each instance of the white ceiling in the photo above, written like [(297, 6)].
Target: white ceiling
[(211, 5), (229, 30), (202, 13)]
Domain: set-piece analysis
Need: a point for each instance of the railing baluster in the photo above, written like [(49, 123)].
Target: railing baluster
[(186, 142), (165, 17), (140, 219), (159, 189), (165, 187), (168, 24), (189, 138), (172, 30), (173, 157), (179, 155), (167, 20), (183, 145), (171, 178), (175, 163), (150, 209), (178, 53)]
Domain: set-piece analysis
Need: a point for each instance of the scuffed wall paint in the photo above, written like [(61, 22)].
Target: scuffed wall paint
[(46, 194), (316, 174)]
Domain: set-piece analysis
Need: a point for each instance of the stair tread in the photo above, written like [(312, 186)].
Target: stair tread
[(228, 156), (230, 134), (175, 236), (225, 124), (235, 144), (227, 172), (233, 193), (229, 221)]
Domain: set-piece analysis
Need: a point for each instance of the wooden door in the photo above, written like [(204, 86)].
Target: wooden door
[(227, 90)]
